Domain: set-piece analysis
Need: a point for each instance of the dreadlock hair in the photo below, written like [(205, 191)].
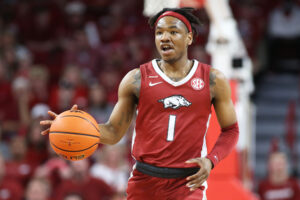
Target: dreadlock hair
[(187, 12)]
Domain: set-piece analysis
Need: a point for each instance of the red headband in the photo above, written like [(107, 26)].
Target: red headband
[(178, 16)]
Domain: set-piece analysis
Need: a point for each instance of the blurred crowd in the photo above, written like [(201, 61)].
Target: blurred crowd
[(56, 53)]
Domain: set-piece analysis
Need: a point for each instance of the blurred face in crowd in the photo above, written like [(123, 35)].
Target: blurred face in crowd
[(80, 168), (97, 95), (42, 19), (72, 75), (18, 148), (113, 155), (38, 190), (278, 167), (39, 79), (172, 38), (81, 40)]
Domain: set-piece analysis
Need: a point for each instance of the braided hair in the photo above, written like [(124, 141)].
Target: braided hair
[(187, 12)]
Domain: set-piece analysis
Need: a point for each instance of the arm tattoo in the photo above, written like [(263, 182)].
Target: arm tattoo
[(121, 119), (212, 84), (212, 79), (137, 83)]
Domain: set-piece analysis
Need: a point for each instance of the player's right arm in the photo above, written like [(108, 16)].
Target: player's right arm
[(114, 129)]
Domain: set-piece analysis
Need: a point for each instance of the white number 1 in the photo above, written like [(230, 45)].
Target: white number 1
[(171, 128)]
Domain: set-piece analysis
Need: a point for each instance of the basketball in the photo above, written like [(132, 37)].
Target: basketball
[(74, 135)]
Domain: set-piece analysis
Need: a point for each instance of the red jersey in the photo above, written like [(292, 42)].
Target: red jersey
[(172, 117)]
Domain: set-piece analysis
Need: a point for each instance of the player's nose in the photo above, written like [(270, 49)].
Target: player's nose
[(165, 37)]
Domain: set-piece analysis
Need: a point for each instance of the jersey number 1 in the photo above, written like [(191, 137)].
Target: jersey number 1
[(171, 128)]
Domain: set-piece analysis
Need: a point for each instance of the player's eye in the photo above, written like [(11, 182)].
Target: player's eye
[(173, 32), (158, 32)]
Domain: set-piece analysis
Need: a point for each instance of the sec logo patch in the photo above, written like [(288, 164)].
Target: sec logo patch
[(197, 83)]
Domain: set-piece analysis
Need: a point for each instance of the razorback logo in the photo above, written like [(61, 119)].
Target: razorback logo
[(175, 102)]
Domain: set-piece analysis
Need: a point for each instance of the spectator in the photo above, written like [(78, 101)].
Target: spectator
[(278, 184), (18, 167), (10, 189), (20, 105), (98, 107), (36, 144), (112, 167), (54, 169), (81, 182), (284, 37), (110, 78), (39, 76), (38, 189), (81, 53), (70, 90)]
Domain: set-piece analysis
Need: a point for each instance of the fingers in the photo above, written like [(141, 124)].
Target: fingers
[(74, 107), (45, 132), (196, 180), (46, 122), (52, 114), (193, 160)]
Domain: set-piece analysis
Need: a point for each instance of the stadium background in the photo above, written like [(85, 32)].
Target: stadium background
[(55, 53)]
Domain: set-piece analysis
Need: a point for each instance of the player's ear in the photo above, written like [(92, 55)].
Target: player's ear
[(190, 38)]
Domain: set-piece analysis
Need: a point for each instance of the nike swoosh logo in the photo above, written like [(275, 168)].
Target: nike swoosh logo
[(152, 84)]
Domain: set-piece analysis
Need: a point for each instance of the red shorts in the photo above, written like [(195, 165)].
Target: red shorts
[(145, 187)]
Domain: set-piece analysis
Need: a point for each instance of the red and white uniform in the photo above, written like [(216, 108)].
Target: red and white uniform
[(171, 125), (172, 116)]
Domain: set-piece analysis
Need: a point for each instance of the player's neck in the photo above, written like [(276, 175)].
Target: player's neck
[(178, 69)]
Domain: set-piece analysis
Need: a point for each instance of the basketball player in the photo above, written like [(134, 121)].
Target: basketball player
[(172, 97)]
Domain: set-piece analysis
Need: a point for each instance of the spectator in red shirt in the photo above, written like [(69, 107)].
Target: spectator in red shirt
[(38, 189), (278, 185), (37, 152), (19, 167), (70, 89), (10, 189), (82, 183)]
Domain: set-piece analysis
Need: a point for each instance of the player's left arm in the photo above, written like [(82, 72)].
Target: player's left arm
[(224, 108)]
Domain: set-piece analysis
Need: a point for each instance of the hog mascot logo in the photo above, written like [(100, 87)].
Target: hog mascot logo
[(175, 102)]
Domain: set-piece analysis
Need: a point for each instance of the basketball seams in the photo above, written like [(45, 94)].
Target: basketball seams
[(65, 116), (73, 150), (73, 133)]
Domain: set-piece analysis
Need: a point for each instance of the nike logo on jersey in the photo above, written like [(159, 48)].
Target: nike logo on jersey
[(175, 102), (153, 84)]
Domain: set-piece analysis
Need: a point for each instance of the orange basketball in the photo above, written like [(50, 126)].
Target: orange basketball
[(74, 135)]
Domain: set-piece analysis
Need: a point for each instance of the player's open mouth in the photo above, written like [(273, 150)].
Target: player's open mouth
[(166, 48)]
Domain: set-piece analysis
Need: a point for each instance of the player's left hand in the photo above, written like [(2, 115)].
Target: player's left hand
[(195, 181)]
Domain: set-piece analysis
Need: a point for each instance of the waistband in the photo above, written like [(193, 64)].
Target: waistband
[(165, 172)]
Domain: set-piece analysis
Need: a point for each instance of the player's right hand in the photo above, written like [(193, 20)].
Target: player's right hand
[(48, 123)]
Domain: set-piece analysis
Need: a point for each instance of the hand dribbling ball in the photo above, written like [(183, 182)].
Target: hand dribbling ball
[(74, 135)]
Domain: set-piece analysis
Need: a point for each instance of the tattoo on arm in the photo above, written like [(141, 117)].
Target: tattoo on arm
[(121, 119), (212, 83), (212, 79), (137, 83)]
